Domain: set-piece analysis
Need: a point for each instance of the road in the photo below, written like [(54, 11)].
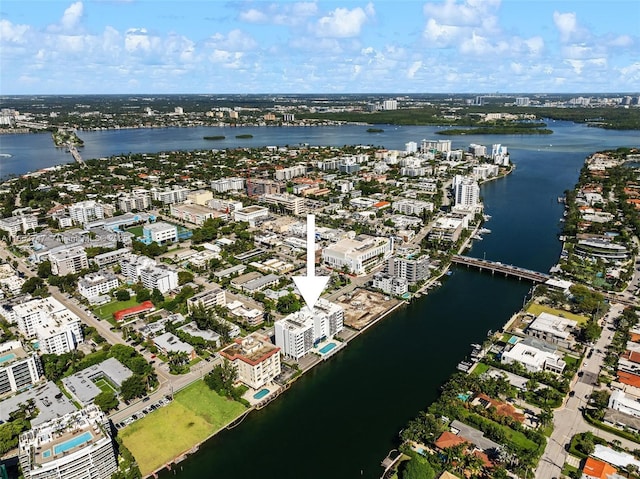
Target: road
[(568, 420), (168, 383)]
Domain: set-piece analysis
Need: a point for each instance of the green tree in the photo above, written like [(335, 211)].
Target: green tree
[(157, 297), (221, 379), (106, 401), (133, 387), (44, 269), (32, 284), (288, 304), (143, 295), (184, 277), (418, 468), (123, 295)]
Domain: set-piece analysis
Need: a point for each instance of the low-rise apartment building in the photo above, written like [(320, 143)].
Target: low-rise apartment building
[(207, 299), (552, 329), (160, 233), (68, 261), (255, 358), (96, 284)]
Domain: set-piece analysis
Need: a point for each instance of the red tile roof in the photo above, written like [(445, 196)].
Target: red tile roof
[(449, 439), (140, 308), (595, 468), (628, 378)]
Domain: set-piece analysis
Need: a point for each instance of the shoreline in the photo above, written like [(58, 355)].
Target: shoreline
[(352, 334)]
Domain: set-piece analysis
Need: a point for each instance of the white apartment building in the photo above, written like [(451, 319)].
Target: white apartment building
[(552, 329), (256, 360), (208, 299), (85, 212), (77, 445), (18, 369), (467, 191), (412, 269), (390, 105), (500, 155), (477, 150), (390, 284), (176, 194), (291, 172), (297, 333), (358, 255), (411, 207), (68, 261), (159, 233), (151, 274), (52, 325), (18, 224), (288, 202), (227, 184), (251, 214), (138, 200), (435, 145), (161, 277), (96, 284), (447, 228), (484, 171), (110, 257)]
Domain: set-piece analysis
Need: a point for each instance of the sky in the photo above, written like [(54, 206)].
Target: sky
[(345, 46)]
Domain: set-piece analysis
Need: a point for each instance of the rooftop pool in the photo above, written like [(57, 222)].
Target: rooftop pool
[(7, 357), (71, 443)]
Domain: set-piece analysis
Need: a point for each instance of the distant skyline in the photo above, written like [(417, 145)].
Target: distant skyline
[(348, 46)]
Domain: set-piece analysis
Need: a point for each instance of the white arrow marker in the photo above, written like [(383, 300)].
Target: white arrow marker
[(311, 286)]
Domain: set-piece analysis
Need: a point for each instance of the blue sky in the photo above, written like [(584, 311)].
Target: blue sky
[(348, 46)]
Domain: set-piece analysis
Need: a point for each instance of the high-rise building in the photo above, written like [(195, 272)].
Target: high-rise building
[(77, 445), (18, 368), (68, 261), (412, 269), (467, 191), (297, 333)]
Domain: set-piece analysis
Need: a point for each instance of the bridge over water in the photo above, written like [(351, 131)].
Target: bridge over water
[(497, 267)]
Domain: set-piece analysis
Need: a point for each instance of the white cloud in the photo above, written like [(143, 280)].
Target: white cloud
[(466, 13), (566, 23), (414, 68), (621, 41), (11, 33), (280, 14), (254, 16), (343, 23), (72, 16)]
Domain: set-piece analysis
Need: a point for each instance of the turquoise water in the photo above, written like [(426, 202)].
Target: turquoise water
[(327, 348), (46, 454), (463, 397), (71, 443), (7, 357), (260, 394), (513, 340)]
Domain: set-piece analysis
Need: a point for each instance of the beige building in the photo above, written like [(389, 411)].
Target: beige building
[(200, 197), (256, 360)]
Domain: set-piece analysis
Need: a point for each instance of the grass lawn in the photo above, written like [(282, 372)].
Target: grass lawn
[(536, 309), (136, 230), (572, 362), (195, 414), (106, 310), (104, 385), (480, 368)]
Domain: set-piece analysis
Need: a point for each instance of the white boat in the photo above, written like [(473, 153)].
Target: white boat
[(484, 231)]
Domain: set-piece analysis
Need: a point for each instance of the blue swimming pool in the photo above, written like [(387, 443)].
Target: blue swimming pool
[(46, 454), (327, 348), (71, 443), (464, 397), (7, 357), (260, 394)]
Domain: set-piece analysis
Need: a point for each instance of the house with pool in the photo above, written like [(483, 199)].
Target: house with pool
[(255, 358)]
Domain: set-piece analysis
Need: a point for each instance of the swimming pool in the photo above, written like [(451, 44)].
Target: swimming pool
[(71, 443), (464, 397), (327, 348), (46, 454), (260, 394), (7, 357)]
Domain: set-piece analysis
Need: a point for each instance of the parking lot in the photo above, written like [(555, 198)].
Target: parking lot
[(148, 409)]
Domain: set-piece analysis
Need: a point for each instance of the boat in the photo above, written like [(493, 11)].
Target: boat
[(484, 231), (477, 237), (5, 155), (487, 217)]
